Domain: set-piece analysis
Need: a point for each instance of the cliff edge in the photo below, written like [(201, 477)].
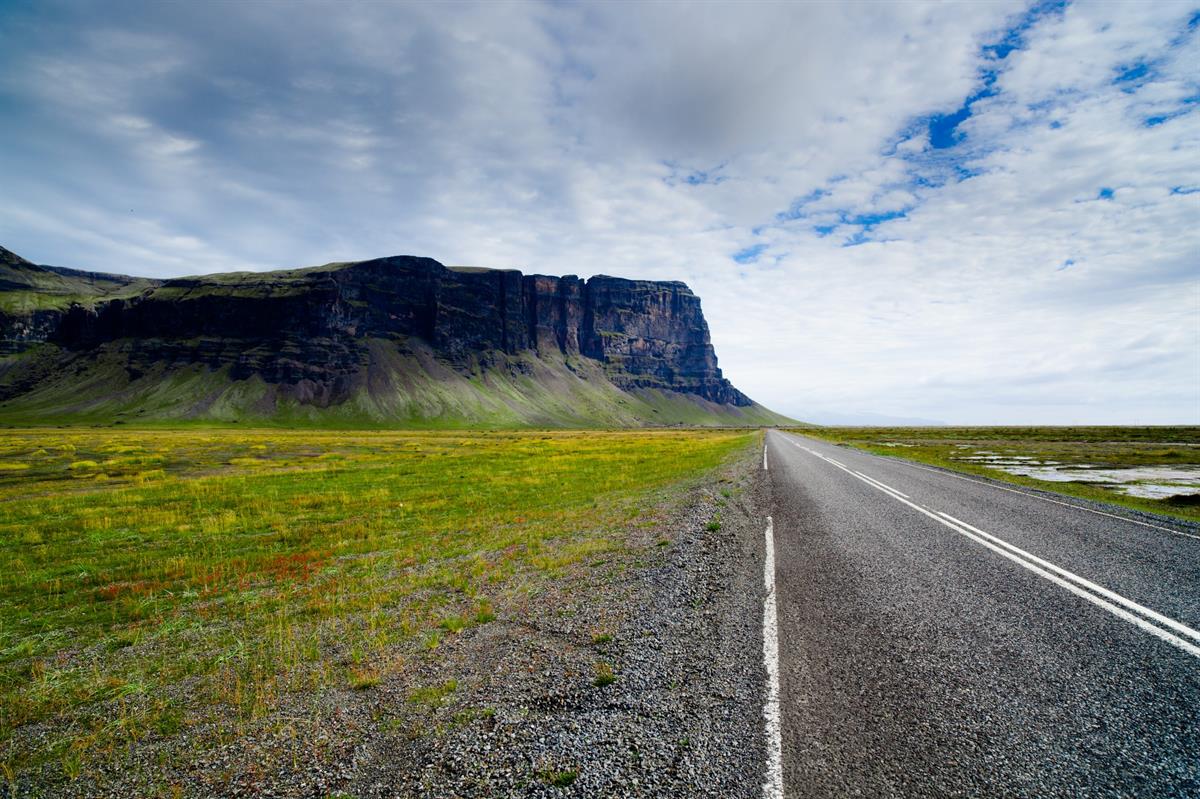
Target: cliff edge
[(390, 340)]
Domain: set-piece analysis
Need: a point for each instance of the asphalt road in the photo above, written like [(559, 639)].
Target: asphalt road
[(922, 654)]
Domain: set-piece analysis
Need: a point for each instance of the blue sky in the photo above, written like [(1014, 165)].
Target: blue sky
[(971, 212)]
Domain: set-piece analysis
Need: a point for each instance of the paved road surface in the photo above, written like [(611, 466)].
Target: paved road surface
[(923, 654)]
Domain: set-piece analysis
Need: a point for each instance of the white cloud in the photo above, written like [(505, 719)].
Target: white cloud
[(560, 138)]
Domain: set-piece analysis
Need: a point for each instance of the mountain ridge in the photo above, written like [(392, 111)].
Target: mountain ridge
[(395, 340)]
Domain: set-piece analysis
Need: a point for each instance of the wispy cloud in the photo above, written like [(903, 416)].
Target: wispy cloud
[(971, 212)]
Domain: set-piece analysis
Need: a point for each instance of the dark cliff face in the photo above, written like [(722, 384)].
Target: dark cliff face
[(34, 299), (309, 325), (654, 334)]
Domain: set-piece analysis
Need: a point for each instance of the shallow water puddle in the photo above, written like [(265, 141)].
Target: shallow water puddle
[(1151, 482)]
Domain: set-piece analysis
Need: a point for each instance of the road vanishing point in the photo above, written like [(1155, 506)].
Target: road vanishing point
[(941, 635)]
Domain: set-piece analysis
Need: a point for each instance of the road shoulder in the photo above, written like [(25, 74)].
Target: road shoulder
[(682, 713)]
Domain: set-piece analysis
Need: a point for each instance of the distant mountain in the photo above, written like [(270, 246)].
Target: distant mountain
[(851, 419), (399, 341)]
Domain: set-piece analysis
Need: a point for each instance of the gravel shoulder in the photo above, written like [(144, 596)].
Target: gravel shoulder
[(682, 715), (637, 672)]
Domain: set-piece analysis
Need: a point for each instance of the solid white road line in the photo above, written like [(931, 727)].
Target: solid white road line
[(1083, 582), (1119, 612), (882, 484), (1073, 582), (765, 468), (1048, 499), (1026, 493), (773, 786)]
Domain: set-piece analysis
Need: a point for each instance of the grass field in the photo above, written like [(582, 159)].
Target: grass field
[(1098, 448), (153, 580)]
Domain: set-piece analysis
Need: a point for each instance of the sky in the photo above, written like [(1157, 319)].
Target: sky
[(975, 213)]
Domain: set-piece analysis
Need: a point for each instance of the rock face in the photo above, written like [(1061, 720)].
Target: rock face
[(33, 298), (308, 326)]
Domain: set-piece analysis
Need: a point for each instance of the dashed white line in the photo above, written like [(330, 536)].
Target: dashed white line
[(765, 468), (773, 786), (1120, 607)]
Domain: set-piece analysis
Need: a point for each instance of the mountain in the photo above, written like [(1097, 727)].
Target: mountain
[(867, 419), (398, 341), (32, 297)]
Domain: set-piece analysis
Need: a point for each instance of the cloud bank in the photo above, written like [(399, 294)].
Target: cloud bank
[(978, 213)]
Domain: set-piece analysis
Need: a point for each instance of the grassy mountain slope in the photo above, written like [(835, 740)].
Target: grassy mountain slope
[(401, 387), (26, 286)]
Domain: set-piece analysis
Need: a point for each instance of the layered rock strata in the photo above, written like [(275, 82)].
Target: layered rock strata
[(308, 325)]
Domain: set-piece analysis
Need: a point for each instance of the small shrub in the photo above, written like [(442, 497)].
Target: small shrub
[(363, 678), (559, 779), (471, 714), (604, 675), (601, 638), (71, 765), (453, 624), (150, 474)]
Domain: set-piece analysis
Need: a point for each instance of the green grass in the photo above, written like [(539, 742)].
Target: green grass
[(604, 675), (1100, 446), (249, 565), (32, 288), (433, 695), (558, 778), (49, 386)]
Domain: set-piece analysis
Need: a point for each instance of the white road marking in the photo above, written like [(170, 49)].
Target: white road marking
[(1119, 612), (1044, 499), (1051, 572), (773, 786), (765, 468), (1083, 582), (882, 484)]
